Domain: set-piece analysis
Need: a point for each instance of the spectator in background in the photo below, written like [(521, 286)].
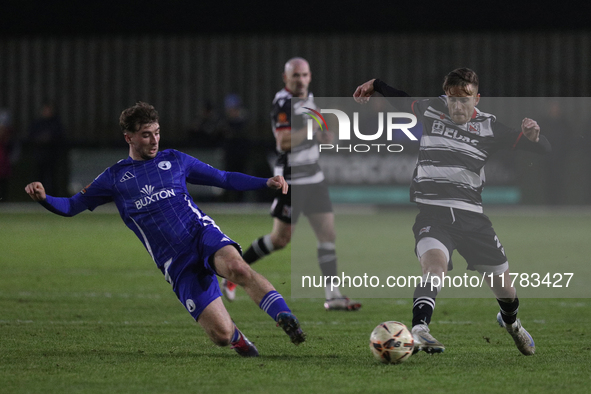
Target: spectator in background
[(205, 132), (232, 129), (46, 136), (5, 151)]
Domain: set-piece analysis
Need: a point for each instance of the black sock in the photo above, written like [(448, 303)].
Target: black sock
[(327, 259), (257, 250), (423, 304), (509, 310)]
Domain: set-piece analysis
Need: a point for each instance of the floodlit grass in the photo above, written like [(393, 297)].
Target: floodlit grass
[(83, 309)]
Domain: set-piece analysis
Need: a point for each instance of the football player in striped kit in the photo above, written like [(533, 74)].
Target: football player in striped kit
[(149, 189), (298, 163), (447, 183)]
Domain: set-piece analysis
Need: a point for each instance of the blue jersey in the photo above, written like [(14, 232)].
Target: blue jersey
[(152, 198)]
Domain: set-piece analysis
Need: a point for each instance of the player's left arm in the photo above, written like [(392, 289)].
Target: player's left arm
[(528, 139), (278, 183), (241, 182), (200, 173), (531, 139), (530, 129)]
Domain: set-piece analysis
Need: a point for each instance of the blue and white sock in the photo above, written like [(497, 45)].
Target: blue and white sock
[(236, 335), (273, 303)]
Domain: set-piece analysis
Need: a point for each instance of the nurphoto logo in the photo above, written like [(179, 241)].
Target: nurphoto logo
[(390, 119)]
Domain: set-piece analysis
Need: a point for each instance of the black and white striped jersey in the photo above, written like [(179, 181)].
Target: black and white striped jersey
[(451, 159), (300, 165)]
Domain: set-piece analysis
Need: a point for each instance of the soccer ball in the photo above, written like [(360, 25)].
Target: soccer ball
[(391, 342)]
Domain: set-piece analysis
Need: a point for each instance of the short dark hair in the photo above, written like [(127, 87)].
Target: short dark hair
[(461, 78), (132, 119)]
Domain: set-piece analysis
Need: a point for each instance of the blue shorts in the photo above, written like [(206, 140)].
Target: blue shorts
[(192, 273)]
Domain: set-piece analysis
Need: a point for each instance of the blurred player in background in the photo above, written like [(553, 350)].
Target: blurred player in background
[(149, 189), (298, 163), (447, 185)]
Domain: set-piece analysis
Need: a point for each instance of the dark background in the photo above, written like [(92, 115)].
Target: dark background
[(94, 58), (78, 18)]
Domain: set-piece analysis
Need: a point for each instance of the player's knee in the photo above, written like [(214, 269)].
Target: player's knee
[(280, 241), (434, 261), (329, 235), (240, 272)]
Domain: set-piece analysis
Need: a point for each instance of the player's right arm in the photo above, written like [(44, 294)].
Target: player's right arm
[(58, 205), (367, 89), (36, 191), (93, 195), (286, 138), (364, 92)]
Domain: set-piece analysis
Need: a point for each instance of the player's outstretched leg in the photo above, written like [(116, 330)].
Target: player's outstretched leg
[(242, 345), (220, 328), (276, 307), (291, 326), (260, 248), (523, 341), (229, 264)]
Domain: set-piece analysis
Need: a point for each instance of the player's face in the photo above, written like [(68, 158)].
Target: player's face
[(143, 144), (461, 103), (297, 77)]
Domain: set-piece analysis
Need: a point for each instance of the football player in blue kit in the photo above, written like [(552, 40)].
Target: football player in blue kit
[(149, 189)]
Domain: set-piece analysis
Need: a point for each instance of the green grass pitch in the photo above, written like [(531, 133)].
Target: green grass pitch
[(83, 309)]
